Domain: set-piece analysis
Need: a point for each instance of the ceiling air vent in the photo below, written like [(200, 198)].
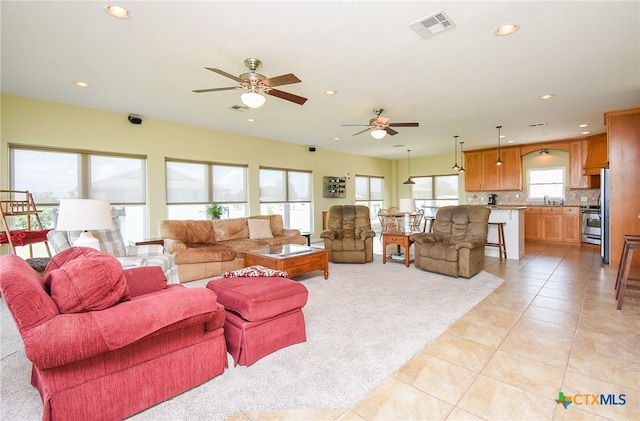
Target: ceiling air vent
[(239, 107), (542, 124), (432, 25)]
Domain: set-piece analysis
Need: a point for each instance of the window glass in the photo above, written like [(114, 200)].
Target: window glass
[(229, 184), (370, 193), (117, 179), (272, 185), (186, 182), (287, 193), (434, 192), (49, 176), (547, 182)]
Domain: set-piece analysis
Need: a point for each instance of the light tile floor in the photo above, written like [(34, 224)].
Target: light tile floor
[(551, 327)]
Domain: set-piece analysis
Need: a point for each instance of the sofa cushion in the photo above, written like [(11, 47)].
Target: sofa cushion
[(83, 279), (255, 271), (144, 280), (204, 253), (259, 298), (230, 229), (189, 231), (259, 229)]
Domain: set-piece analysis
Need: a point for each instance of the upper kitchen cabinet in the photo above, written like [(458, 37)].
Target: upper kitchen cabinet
[(578, 150), (597, 156), (482, 173)]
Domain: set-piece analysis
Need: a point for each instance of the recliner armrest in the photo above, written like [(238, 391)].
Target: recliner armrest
[(470, 243), (367, 234), (426, 237), (331, 235)]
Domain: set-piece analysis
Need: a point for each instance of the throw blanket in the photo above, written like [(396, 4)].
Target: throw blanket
[(24, 237)]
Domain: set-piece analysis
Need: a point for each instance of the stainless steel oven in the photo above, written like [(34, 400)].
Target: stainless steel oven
[(591, 225)]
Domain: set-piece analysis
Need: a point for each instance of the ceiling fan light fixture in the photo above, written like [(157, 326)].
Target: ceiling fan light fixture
[(252, 99), (378, 134)]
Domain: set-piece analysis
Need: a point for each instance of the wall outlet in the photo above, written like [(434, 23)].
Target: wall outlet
[(584, 198)]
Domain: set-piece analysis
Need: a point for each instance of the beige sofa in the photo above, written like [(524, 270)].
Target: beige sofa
[(206, 248)]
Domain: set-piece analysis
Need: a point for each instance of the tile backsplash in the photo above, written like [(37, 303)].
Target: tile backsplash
[(519, 197)]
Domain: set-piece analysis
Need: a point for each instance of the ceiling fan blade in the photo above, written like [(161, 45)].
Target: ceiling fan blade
[(404, 125), (362, 131), (230, 88), (356, 125), (286, 95), (225, 74), (390, 131), (282, 80)]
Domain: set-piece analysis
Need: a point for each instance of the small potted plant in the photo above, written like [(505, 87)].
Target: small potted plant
[(215, 210)]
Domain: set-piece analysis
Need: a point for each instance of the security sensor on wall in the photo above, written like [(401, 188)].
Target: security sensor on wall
[(312, 148), (135, 119)]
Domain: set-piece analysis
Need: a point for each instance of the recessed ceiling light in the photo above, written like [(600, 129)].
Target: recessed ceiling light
[(583, 125), (118, 11), (251, 120), (330, 92), (81, 84), (585, 132), (509, 141), (336, 138), (507, 29), (547, 96)]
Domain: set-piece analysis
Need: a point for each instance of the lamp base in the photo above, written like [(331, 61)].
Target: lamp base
[(87, 239)]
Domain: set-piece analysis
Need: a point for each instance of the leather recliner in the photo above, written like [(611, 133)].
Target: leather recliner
[(349, 237), (456, 245)]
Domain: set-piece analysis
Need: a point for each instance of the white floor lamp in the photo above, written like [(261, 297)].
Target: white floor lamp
[(84, 215)]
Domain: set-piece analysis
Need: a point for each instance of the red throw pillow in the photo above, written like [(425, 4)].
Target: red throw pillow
[(145, 279), (83, 279)]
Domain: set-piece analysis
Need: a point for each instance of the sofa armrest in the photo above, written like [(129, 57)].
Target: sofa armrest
[(173, 246), (74, 337), (331, 235), (291, 232)]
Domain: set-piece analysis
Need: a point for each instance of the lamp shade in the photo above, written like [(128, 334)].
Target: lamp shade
[(84, 215), (407, 205)]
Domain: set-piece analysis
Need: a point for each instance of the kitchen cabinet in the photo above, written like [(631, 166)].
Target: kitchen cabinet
[(623, 136), (577, 161), (597, 154), (554, 224), (482, 173)]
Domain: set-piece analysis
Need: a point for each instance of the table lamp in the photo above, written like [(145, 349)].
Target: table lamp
[(84, 215), (407, 205)]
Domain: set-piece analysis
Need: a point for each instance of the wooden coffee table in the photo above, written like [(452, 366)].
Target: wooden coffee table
[(291, 258)]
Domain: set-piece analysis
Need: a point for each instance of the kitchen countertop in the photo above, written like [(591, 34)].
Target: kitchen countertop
[(507, 207)]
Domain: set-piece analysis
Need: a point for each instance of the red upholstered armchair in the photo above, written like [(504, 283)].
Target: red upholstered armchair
[(106, 343)]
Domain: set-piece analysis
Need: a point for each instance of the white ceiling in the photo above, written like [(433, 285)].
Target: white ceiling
[(464, 81)]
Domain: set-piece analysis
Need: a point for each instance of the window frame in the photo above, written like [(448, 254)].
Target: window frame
[(563, 183)]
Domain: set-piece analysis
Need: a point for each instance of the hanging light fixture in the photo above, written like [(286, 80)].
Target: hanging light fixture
[(378, 133), (455, 167), (544, 152), (409, 180), (499, 161), (461, 159)]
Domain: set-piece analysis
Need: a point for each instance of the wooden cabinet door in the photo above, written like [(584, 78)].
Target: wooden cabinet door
[(571, 225), (490, 171), (532, 224), (511, 169), (473, 171), (577, 158), (551, 226)]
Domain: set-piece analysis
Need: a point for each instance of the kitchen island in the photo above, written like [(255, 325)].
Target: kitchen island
[(513, 217)]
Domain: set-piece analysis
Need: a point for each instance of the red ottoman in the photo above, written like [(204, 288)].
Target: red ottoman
[(263, 315)]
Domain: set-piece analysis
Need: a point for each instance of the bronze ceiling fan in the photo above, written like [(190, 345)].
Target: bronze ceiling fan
[(380, 125), (255, 84)]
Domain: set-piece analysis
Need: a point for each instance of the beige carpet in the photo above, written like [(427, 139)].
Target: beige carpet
[(362, 324)]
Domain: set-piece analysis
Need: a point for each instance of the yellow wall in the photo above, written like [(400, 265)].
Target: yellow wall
[(27, 121)]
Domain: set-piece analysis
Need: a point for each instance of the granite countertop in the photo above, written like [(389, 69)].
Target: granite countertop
[(507, 207)]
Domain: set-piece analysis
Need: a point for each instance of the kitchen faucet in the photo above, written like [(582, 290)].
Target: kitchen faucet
[(546, 199)]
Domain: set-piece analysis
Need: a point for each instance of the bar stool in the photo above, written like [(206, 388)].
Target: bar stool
[(631, 242), (502, 248)]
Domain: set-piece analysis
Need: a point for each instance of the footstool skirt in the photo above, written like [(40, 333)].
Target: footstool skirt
[(247, 342)]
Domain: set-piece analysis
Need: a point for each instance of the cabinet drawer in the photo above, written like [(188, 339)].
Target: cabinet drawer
[(395, 239), (571, 210), (532, 211), (550, 210)]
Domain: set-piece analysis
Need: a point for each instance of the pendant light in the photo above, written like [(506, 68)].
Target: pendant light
[(461, 159), (409, 180), (455, 167), (499, 161)]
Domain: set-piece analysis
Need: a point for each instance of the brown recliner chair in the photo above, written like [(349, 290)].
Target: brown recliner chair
[(349, 237), (456, 245)]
